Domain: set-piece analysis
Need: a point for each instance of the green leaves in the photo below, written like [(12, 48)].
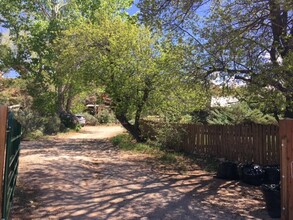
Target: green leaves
[(239, 113), (141, 73), (246, 39)]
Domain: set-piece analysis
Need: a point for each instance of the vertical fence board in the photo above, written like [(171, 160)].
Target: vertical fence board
[(255, 144), (286, 137), (284, 170), (277, 145), (243, 143), (290, 167), (3, 128)]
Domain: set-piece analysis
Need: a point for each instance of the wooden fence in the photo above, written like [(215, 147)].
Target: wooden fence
[(243, 143), (286, 141)]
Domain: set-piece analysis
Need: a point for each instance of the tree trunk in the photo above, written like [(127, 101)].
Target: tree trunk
[(69, 99), (60, 100), (289, 107), (68, 104), (133, 130)]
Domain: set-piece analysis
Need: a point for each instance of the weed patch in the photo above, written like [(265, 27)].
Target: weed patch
[(126, 143)]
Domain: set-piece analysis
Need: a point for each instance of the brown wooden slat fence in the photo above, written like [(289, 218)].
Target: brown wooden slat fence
[(244, 143)]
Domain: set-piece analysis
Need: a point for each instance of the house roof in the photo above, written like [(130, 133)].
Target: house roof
[(223, 101)]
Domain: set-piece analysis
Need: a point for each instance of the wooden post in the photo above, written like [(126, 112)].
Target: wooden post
[(3, 128), (286, 139)]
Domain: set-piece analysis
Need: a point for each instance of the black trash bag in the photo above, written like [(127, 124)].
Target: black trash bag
[(252, 174), (240, 168), (227, 170), (272, 196), (272, 174), (243, 166)]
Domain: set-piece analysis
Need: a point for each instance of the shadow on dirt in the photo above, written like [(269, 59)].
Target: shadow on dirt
[(65, 184)]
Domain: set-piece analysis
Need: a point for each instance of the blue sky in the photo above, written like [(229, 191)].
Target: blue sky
[(133, 9)]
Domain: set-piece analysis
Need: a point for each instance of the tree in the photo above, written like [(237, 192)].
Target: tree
[(4, 54), (138, 71), (33, 27), (246, 40)]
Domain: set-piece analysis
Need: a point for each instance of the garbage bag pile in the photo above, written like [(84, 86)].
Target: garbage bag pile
[(268, 177), (252, 174), (228, 170)]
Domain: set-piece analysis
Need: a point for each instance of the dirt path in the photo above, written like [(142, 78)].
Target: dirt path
[(83, 176)]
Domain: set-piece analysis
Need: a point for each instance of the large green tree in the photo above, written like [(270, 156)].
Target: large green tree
[(245, 40), (140, 73), (33, 26)]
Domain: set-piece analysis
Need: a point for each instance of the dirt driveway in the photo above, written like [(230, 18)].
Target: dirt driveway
[(82, 176)]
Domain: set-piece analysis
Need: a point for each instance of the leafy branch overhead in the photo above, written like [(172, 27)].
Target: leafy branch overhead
[(161, 62), (137, 70), (249, 40)]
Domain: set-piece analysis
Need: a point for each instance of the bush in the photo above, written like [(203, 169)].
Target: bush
[(164, 134), (52, 126), (34, 135), (78, 127), (237, 114), (168, 158), (68, 120), (34, 125), (186, 119), (105, 117), (90, 119), (200, 117), (30, 121), (120, 139), (126, 143)]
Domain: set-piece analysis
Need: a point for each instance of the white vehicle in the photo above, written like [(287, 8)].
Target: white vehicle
[(81, 119)]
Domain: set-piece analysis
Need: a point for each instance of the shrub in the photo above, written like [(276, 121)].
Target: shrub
[(52, 125), (30, 121), (126, 143), (34, 125), (119, 139), (239, 113), (164, 134), (69, 120), (90, 119), (78, 127), (168, 158), (34, 135), (186, 119), (200, 116), (105, 117)]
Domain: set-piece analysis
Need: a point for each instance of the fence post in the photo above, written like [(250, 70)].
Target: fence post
[(3, 128), (286, 139)]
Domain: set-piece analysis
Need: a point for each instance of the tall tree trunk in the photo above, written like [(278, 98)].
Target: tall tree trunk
[(132, 129), (68, 104), (60, 100), (140, 106), (69, 99), (289, 106)]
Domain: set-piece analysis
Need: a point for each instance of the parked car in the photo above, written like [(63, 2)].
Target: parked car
[(81, 119)]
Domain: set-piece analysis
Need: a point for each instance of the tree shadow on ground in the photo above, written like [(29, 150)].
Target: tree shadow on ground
[(89, 179)]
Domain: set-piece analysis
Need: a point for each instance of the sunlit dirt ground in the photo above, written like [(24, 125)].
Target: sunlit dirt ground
[(82, 176)]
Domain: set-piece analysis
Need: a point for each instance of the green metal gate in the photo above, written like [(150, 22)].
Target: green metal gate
[(11, 163)]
